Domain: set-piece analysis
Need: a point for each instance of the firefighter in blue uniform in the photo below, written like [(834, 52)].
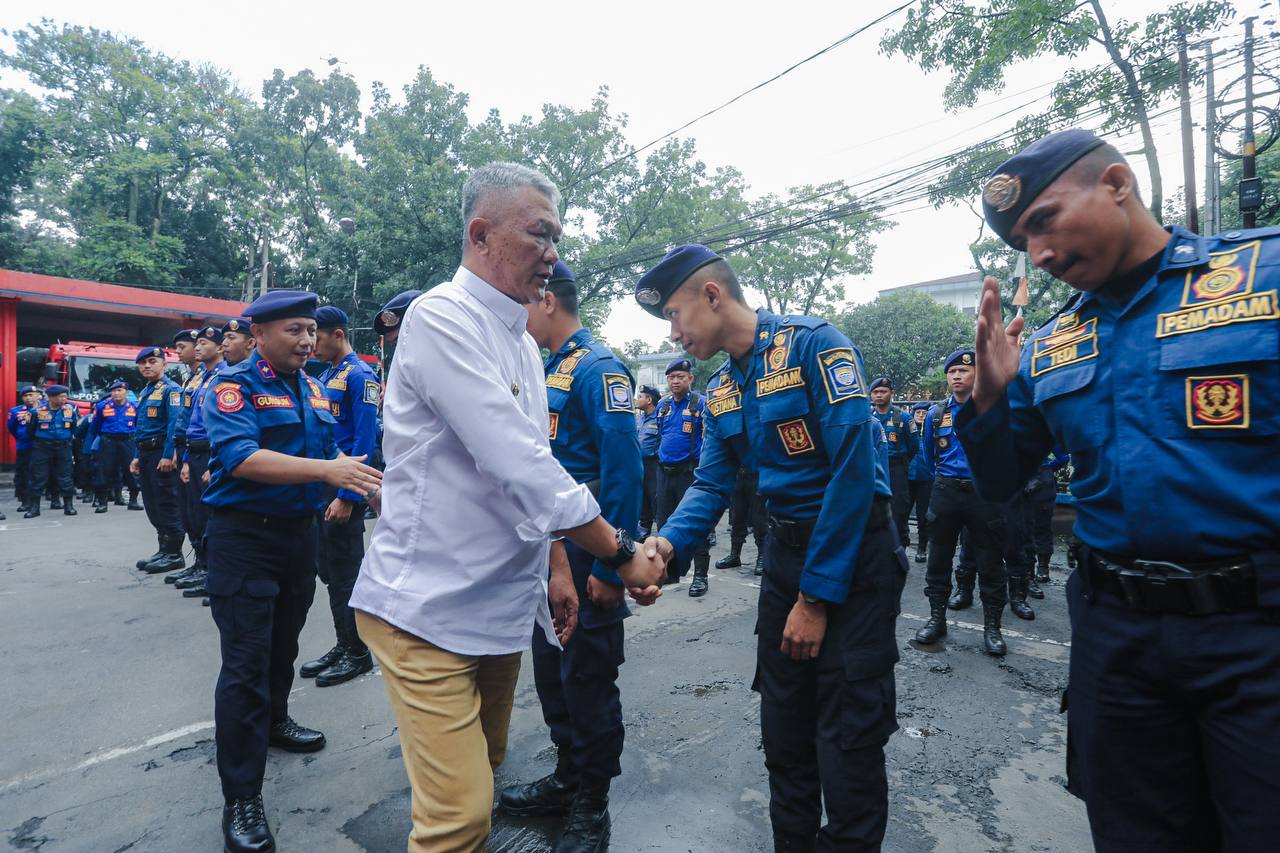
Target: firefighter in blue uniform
[(54, 419), (955, 505), (900, 433), (920, 485), (1161, 378), (387, 322), (194, 473), (21, 425), (111, 430), (272, 436), (184, 343), (159, 404), (593, 435), (791, 404), (237, 342), (354, 394), (647, 398), (680, 417)]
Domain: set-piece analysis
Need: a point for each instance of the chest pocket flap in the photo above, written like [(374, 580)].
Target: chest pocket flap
[(1221, 383), (783, 406)]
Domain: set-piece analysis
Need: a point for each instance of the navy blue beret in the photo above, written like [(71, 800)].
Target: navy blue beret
[(119, 383), (656, 286), (27, 389), (239, 324), (55, 389), (283, 305), (651, 391), (149, 352), (393, 312), (921, 405), (188, 335), (561, 272), (680, 364), (880, 382), (331, 316), (960, 356), (210, 333), (1019, 180)]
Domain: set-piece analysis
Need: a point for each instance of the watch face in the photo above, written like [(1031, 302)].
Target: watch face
[(625, 543)]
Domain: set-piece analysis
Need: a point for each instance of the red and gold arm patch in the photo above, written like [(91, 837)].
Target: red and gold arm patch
[(229, 396)]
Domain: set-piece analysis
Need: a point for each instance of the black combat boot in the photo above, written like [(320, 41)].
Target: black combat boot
[(182, 575), (992, 642), (142, 564), (936, 628), (312, 668), (34, 512), (244, 826), (133, 501), (355, 661), (101, 502), (922, 553), (56, 503), (1018, 598), (292, 737), (1042, 568), (963, 597), (551, 795), (70, 508), (118, 497), (698, 586), (170, 559), (195, 580), (759, 569), (588, 827), (733, 559)]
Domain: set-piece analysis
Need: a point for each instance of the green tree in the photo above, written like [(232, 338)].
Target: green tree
[(905, 335), (980, 42), (21, 146)]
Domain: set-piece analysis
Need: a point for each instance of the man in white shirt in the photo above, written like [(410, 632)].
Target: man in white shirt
[(456, 573)]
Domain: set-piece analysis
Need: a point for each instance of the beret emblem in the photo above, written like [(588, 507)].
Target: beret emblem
[(389, 319), (1002, 191), (648, 296)]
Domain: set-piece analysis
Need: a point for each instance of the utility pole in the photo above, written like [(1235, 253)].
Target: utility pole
[(1188, 146), (1212, 191), (266, 262), (1250, 185)]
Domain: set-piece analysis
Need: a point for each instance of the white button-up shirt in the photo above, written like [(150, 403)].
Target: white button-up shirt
[(471, 494)]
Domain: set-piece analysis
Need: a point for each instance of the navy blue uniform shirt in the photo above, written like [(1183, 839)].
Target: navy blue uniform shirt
[(1169, 405), (54, 424), (20, 421), (680, 428), (647, 424), (160, 403), (593, 429), (944, 454), (797, 412), (354, 393), (899, 432), (189, 389), (250, 408), (196, 430)]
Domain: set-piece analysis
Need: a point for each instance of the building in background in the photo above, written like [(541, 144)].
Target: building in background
[(962, 292), (653, 369)]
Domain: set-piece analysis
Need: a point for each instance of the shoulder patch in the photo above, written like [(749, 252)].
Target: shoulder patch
[(562, 377), (840, 375), (229, 396), (175, 398), (372, 392), (266, 370), (617, 392)]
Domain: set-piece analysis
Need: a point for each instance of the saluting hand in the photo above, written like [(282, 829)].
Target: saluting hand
[(996, 348), (350, 473)]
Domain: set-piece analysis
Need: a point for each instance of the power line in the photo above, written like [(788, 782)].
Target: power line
[(837, 43)]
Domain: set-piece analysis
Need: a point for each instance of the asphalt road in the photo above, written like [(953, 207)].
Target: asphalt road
[(107, 683)]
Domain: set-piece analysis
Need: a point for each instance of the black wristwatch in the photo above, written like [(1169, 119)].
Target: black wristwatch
[(811, 599), (626, 550)]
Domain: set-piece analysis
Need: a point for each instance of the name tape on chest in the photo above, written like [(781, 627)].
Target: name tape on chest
[(617, 392), (275, 401), (795, 437), (1218, 402), (724, 398), (789, 378), (840, 376), (1077, 343)]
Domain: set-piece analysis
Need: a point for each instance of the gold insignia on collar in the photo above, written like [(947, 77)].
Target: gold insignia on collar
[(764, 335), (1002, 192)]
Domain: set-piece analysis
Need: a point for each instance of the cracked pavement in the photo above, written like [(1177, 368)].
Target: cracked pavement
[(108, 682)]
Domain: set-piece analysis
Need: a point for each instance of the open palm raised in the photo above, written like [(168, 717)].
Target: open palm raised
[(996, 348)]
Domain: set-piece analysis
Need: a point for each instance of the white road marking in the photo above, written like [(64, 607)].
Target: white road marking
[(111, 754), (970, 626)]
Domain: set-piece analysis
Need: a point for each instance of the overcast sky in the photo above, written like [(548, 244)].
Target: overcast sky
[(850, 114)]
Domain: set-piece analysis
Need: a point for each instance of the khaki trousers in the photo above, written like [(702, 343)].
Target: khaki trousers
[(453, 712)]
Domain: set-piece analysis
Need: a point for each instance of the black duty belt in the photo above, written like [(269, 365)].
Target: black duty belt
[(256, 519), (796, 533), (118, 436), (53, 440), (593, 486), (150, 443), (964, 484), (198, 446), (1189, 589), (179, 441), (680, 467)]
